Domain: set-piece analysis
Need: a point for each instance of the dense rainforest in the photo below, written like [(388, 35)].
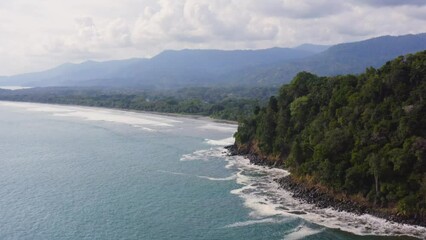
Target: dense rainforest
[(230, 103), (363, 136)]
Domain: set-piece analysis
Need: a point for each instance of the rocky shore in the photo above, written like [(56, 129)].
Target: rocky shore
[(321, 198)]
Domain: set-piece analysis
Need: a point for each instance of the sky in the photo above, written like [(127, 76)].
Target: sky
[(38, 35)]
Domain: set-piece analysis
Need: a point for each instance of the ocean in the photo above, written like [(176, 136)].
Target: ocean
[(71, 172)]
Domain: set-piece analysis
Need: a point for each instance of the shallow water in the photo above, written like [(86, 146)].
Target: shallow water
[(87, 173)]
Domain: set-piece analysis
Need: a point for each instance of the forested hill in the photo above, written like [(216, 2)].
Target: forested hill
[(211, 68), (345, 58), (360, 135), (169, 69)]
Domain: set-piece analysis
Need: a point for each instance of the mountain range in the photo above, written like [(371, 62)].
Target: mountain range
[(168, 69), (182, 68)]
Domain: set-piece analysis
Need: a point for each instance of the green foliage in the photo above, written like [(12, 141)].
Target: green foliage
[(362, 134), (221, 103)]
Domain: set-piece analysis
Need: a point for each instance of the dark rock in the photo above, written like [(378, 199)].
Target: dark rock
[(321, 199), (298, 212), (232, 150)]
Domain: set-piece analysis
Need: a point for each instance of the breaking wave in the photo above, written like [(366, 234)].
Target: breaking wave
[(269, 203), (253, 222)]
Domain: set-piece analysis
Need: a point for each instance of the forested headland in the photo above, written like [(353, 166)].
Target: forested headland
[(360, 136)]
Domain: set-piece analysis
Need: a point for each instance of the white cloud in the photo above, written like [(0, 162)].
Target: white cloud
[(384, 3), (306, 9), (47, 33)]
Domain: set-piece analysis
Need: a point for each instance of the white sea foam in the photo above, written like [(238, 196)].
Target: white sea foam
[(173, 173), (197, 155), (219, 127), (49, 109), (143, 121), (219, 179), (137, 121), (301, 232), (253, 222), (203, 155), (148, 129), (203, 177), (258, 190), (266, 199), (221, 142)]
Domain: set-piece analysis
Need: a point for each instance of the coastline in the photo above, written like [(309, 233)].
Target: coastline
[(320, 197), (258, 160), (177, 115)]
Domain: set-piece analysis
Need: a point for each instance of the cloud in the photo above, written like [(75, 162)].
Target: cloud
[(89, 40), (306, 9), (117, 34), (386, 3), (418, 13), (55, 31), (199, 22)]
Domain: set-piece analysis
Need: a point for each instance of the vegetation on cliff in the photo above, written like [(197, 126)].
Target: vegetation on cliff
[(361, 135)]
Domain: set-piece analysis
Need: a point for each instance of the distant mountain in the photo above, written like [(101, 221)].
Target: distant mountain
[(72, 74), (168, 69), (346, 58), (312, 47), (183, 68)]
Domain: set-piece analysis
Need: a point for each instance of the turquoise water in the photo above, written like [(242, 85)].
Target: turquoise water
[(65, 174)]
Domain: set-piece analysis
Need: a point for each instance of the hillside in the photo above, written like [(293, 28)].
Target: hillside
[(362, 136), (345, 58), (167, 70), (188, 68)]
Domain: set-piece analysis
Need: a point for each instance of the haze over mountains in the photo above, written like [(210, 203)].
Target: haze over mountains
[(167, 69), (346, 58), (183, 68)]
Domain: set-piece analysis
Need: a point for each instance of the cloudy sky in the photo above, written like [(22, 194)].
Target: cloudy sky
[(36, 35)]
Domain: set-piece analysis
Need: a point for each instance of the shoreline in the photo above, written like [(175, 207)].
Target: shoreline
[(177, 115), (312, 194)]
